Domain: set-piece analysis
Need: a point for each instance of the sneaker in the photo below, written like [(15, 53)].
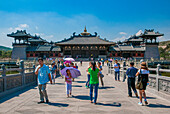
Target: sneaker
[(47, 101), (95, 103), (40, 102), (146, 102), (130, 96), (140, 104)]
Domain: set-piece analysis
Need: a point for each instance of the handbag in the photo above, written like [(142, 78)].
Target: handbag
[(139, 84), (102, 75)]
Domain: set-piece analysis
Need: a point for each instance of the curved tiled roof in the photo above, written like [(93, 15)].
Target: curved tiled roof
[(84, 40)]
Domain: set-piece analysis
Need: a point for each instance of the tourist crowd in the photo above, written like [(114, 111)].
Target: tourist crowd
[(94, 74)]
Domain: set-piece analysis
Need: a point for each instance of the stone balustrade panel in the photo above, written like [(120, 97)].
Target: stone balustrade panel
[(1, 84), (152, 82), (29, 78), (164, 85), (13, 81)]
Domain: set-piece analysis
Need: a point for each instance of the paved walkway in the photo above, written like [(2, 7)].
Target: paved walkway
[(112, 99)]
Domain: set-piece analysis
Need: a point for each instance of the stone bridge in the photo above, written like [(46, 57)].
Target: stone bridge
[(113, 98)]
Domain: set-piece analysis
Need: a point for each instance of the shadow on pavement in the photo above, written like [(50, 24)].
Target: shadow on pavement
[(150, 97), (16, 94), (82, 97), (80, 81), (58, 104), (106, 87), (114, 104), (60, 83), (76, 86), (158, 106), (146, 97)]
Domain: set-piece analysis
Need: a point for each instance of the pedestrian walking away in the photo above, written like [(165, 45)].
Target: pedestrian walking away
[(88, 76), (61, 67), (116, 70), (143, 76), (101, 76), (81, 62), (131, 73), (94, 81), (53, 70), (44, 76)]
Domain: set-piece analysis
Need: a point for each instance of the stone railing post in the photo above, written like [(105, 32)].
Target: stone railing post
[(157, 76), (124, 70), (4, 76), (35, 79), (22, 71)]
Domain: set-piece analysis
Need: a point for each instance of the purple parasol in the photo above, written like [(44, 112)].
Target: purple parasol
[(74, 72)]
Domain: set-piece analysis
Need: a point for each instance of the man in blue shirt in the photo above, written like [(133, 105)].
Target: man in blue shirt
[(44, 76), (131, 73), (116, 69)]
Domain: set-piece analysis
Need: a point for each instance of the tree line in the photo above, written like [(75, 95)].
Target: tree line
[(5, 54)]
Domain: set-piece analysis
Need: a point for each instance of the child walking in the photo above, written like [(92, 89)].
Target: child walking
[(68, 80)]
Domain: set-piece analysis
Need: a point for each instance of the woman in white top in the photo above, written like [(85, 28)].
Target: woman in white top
[(143, 75)]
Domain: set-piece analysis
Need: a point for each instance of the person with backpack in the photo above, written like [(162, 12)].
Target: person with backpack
[(117, 70), (143, 77), (131, 73)]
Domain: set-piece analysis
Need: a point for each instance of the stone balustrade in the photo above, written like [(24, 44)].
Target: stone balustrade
[(156, 81), (15, 82)]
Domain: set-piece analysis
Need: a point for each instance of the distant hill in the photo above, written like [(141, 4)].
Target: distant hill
[(164, 43), (5, 48)]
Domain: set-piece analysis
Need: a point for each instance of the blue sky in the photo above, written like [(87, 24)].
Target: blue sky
[(58, 19)]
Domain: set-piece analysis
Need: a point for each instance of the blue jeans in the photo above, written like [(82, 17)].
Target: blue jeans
[(96, 86), (117, 75), (88, 79), (131, 84)]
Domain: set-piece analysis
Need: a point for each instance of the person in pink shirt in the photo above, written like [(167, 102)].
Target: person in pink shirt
[(68, 80)]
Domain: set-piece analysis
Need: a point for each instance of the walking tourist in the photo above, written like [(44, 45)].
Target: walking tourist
[(88, 76), (68, 81), (100, 74), (75, 66), (72, 65), (53, 70), (81, 62), (116, 70), (102, 62), (62, 67), (131, 73), (94, 81), (143, 76), (44, 76)]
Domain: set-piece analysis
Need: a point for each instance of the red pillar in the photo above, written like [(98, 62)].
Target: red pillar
[(33, 54), (136, 54)]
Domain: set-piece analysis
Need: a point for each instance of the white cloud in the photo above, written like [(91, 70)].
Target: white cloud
[(139, 32), (19, 27), (122, 33), (24, 26)]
